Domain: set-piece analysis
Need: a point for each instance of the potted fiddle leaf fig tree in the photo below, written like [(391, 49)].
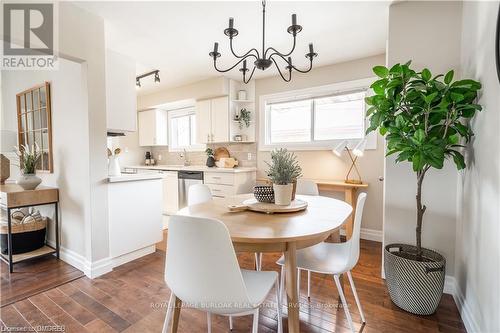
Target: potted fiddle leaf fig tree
[(425, 121)]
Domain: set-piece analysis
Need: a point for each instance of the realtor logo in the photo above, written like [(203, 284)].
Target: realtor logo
[(29, 36)]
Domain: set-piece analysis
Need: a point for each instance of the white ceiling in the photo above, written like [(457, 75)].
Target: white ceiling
[(176, 37)]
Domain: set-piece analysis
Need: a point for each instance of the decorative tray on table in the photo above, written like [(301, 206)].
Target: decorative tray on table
[(268, 208)]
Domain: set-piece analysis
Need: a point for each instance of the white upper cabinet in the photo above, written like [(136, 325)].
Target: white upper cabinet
[(212, 120), (121, 96), (153, 125)]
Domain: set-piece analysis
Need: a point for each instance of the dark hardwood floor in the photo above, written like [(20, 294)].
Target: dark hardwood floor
[(133, 298), (34, 276)]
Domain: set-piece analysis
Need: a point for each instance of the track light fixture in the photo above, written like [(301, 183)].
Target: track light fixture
[(155, 72)]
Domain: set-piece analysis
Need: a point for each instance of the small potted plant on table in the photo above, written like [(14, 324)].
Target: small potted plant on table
[(283, 172), (28, 161), (425, 121)]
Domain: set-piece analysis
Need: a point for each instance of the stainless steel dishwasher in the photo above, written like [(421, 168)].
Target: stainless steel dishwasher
[(186, 179)]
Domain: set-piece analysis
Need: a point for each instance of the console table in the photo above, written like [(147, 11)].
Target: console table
[(12, 197)]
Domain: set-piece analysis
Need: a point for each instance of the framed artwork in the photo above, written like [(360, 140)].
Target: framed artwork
[(34, 123)]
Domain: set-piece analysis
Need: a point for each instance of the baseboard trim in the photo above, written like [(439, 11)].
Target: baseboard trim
[(120, 260), (464, 308), (368, 234)]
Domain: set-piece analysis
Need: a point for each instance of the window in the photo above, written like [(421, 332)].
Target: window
[(312, 119), (182, 129)]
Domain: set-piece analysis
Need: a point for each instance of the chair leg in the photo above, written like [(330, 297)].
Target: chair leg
[(358, 303), (258, 261), (344, 302), (168, 314), (309, 285), (209, 322), (255, 326), (282, 282), (230, 323), (298, 283), (278, 306)]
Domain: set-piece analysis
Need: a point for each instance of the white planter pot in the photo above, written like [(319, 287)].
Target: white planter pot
[(283, 194), (114, 166), (29, 181)]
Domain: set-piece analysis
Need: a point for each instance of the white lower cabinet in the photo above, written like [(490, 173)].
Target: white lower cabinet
[(170, 192), (223, 184)]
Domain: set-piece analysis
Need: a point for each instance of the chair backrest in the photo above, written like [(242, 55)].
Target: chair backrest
[(201, 265), (198, 193), (307, 187), (353, 242)]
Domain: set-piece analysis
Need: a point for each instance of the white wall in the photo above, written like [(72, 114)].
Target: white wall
[(80, 127), (70, 142), (324, 164), (477, 250), (435, 45)]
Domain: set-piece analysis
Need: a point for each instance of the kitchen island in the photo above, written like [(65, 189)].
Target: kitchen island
[(135, 215)]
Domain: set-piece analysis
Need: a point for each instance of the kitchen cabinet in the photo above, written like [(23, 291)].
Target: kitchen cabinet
[(212, 120), (121, 95), (227, 184), (170, 192), (153, 127)]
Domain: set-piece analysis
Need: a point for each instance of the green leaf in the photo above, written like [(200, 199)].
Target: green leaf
[(418, 161), (381, 71), (456, 97), (369, 100), (396, 69), (370, 110), (453, 139), (382, 130), (429, 98), (426, 74), (458, 159), (448, 77), (379, 86), (419, 135)]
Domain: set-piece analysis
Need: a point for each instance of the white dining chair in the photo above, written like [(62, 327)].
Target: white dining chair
[(202, 270), (307, 187), (198, 193), (334, 259)]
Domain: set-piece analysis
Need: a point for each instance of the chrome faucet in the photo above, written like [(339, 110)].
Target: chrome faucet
[(185, 157)]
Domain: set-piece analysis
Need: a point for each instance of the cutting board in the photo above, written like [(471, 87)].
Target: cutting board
[(220, 153)]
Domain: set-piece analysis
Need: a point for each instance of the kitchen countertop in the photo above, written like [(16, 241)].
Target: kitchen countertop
[(127, 177), (191, 168)]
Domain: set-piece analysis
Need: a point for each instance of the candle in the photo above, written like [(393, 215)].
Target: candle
[(290, 61), (244, 64), (231, 22), (216, 47), (311, 50), (294, 19)]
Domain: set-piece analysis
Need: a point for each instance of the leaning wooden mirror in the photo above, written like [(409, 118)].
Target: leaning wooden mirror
[(34, 123)]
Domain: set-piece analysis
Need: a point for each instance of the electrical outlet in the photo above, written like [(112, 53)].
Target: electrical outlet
[(249, 156), (126, 149), (159, 157)]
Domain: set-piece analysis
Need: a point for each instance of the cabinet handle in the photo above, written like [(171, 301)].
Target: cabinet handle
[(215, 177)]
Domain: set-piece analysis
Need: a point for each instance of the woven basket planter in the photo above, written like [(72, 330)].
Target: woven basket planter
[(414, 286), (26, 236)]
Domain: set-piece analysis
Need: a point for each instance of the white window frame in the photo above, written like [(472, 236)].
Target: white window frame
[(187, 111), (331, 89)]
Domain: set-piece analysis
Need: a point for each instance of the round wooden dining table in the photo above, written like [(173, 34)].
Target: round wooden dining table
[(280, 232)]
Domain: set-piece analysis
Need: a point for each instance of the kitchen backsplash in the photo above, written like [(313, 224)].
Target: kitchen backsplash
[(240, 151)]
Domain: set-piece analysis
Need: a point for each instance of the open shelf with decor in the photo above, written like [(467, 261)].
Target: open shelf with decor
[(242, 112)]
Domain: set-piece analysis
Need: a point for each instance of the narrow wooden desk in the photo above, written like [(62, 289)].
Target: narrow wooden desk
[(350, 192), (14, 196)]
